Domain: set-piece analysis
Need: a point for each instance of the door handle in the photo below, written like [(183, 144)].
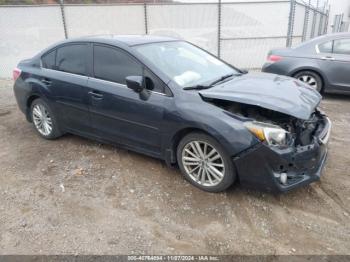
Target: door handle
[(328, 58), (46, 81), (95, 94)]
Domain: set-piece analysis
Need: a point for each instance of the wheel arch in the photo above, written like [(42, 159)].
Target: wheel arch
[(171, 158), (29, 102), (314, 70)]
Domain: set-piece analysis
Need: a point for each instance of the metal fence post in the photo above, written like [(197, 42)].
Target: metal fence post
[(313, 21), (320, 25), (63, 18), (321, 20), (341, 24), (219, 28), (306, 22), (325, 30), (146, 17), (291, 23)]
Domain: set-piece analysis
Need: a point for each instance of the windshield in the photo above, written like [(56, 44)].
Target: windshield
[(184, 63)]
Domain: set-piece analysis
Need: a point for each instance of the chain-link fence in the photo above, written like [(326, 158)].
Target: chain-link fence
[(339, 25), (240, 33), (306, 22)]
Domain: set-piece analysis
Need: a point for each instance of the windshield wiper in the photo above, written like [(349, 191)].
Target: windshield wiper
[(221, 79), (200, 87), (196, 87)]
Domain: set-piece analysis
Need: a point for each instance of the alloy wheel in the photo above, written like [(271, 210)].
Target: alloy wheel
[(42, 119), (203, 163), (310, 80)]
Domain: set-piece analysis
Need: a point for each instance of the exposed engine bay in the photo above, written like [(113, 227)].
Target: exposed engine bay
[(302, 132)]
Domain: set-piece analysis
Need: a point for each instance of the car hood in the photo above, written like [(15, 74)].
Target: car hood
[(278, 93)]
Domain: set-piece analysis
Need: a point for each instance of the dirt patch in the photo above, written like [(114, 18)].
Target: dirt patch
[(75, 196)]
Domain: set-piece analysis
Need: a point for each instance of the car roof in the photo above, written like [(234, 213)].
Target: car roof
[(122, 41), (323, 38), (129, 40), (333, 36), (329, 37)]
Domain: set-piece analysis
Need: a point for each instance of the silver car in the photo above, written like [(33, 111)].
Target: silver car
[(323, 62)]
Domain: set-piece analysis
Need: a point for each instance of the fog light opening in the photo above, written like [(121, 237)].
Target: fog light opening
[(283, 178)]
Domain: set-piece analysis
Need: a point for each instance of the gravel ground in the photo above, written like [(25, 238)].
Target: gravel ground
[(75, 196)]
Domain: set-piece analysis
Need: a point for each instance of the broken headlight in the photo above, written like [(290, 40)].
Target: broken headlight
[(272, 134)]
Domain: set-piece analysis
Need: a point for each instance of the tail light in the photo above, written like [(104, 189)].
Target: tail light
[(16, 73), (274, 58)]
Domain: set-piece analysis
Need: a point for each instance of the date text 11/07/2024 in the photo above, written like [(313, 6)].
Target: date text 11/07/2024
[(173, 258)]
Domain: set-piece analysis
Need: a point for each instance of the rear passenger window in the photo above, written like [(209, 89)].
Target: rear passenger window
[(49, 60), (72, 59), (342, 46), (114, 65), (326, 47)]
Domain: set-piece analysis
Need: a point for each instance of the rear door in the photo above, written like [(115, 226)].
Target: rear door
[(335, 63), (67, 80)]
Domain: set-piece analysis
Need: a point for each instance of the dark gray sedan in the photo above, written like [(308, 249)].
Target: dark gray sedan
[(323, 62), (166, 98)]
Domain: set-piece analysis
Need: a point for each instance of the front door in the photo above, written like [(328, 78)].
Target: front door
[(117, 112)]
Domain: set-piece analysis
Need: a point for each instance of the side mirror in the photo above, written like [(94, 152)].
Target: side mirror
[(244, 71), (136, 83)]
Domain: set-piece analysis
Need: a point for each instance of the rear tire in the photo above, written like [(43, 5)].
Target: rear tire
[(205, 163), (44, 121), (311, 78)]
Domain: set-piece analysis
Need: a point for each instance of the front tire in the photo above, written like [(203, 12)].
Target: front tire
[(204, 163), (310, 78), (44, 121)]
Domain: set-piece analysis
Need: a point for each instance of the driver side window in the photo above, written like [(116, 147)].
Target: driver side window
[(114, 65)]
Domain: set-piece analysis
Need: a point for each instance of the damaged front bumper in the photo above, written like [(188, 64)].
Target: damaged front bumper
[(280, 170)]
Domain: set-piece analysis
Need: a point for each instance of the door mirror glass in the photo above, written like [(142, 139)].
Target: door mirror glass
[(135, 83)]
